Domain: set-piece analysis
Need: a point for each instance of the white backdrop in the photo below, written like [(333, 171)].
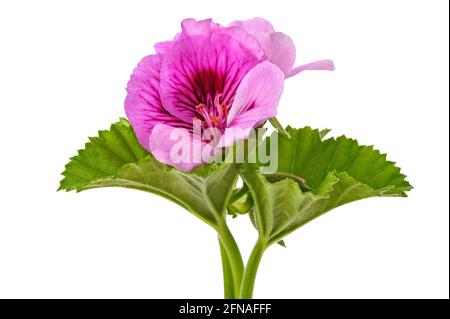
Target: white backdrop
[(64, 66)]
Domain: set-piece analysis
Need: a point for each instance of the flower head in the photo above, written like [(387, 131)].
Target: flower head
[(224, 81)]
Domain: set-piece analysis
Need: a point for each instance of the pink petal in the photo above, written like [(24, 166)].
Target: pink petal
[(142, 104), (187, 26), (246, 40), (200, 67), (254, 25), (191, 27), (256, 101), (326, 65), (232, 135), (177, 147), (163, 47), (278, 48)]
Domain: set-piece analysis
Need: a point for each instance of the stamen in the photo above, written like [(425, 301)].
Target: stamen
[(200, 108), (217, 100), (213, 113), (215, 120), (224, 109), (221, 108)]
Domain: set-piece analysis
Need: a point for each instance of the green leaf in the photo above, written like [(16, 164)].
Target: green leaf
[(337, 171), (324, 132), (311, 158), (115, 159), (103, 156)]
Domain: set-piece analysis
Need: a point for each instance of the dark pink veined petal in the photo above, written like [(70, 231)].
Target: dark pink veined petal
[(177, 147), (326, 65), (256, 101), (142, 105), (200, 67)]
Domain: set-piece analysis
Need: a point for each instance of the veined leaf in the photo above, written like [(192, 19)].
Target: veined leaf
[(338, 171), (116, 159), (103, 156), (307, 156)]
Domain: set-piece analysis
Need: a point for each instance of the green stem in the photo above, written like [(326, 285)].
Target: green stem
[(228, 284), (234, 258), (248, 280)]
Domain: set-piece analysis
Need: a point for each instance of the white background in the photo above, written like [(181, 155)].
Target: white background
[(64, 66)]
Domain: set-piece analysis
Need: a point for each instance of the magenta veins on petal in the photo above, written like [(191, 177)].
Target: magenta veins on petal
[(221, 79)]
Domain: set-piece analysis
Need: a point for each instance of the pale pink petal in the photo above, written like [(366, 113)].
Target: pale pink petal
[(177, 147), (163, 47), (246, 40), (256, 101), (200, 67), (278, 48), (254, 25), (232, 135), (143, 105), (326, 65), (191, 27)]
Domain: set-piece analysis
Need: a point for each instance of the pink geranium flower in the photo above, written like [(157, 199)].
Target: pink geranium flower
[(210, 77)]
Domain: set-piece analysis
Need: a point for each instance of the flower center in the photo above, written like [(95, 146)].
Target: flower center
[(213, 114)]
